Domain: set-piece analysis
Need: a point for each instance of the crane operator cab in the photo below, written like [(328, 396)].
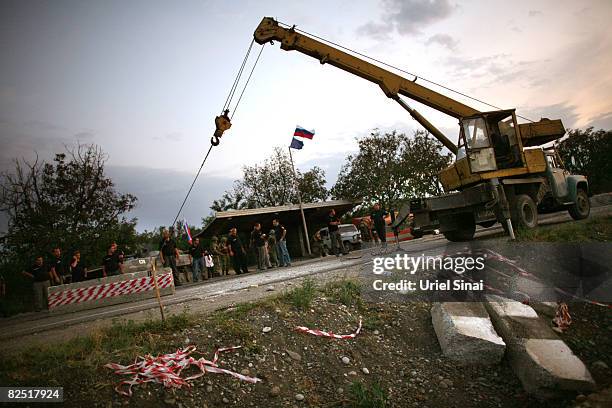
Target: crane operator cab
[(489, 141), (491, 145)]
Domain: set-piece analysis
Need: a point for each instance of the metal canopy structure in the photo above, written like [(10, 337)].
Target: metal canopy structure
[(289, 216)]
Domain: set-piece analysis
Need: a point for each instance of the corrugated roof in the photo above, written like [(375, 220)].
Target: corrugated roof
[(315, 214), (282, 208)]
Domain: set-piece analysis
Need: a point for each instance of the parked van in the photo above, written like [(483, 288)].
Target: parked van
[(351, 237)]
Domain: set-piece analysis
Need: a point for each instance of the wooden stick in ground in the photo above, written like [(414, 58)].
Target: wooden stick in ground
[(154, 275)]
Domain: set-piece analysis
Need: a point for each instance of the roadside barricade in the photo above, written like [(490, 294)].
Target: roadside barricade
[(127, 287)]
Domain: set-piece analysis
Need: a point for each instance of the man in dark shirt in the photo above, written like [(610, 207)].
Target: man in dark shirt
[(111, 264), (78, 272), (378, 217), (280, 233), (39, 273), (258, 241), (333, 223), (196, 253), (168, 253), (57, 267), (237, 252)]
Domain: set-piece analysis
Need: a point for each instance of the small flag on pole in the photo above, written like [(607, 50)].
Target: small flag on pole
[(186, 228), (296, 144), (302, 132)]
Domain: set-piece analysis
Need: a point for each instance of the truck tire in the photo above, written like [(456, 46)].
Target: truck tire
[(416, 234), (582, 207), (524, 213), (466, 230)]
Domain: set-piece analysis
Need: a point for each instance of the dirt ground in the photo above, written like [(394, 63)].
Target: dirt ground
[(397, 350)]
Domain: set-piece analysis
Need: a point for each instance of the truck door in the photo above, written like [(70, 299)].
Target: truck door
[(558, 177), (479, 151)]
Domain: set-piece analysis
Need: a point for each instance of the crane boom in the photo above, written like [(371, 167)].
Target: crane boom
[(393, 85)]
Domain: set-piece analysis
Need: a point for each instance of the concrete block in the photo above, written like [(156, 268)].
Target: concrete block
[(546, 366), (136, 265), (98, 284), (466, 334)]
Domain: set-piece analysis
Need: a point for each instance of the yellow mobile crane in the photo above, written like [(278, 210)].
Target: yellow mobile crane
[(494, 176)]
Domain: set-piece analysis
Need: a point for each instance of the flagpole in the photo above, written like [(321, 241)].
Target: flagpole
[(297, 187)]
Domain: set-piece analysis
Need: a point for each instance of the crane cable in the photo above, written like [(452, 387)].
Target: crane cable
[(226, 106), (396, 68)]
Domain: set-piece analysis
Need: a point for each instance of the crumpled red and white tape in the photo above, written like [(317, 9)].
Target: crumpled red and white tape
[(562, 319), (166, 369), (331, 335)]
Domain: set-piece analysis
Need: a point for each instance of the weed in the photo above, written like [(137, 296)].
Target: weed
[(347, 292), (368, 397), (302, 296)]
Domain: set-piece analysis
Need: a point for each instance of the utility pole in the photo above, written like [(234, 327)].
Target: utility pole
[(297, 187)]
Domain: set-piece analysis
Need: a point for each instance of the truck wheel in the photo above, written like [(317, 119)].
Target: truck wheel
[(582, 207), (466, 230), (416, 234), (524, 213)]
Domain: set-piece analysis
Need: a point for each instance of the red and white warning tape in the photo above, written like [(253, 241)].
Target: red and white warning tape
[(166, 369), (562, 319), (331, 335), (107, 290), (499, 257)]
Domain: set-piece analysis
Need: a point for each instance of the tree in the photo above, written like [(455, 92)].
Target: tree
[(272, 183), (588, 152), (68, 203), (391, 168)]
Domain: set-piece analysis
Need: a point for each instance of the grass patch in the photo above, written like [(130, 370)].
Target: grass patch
[(302, 296), (347, 292), (592, 230), (48, 364), (367, 397)]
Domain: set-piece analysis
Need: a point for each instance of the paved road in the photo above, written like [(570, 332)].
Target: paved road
[(24, 324)]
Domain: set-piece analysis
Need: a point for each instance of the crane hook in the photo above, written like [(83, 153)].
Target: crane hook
[(222, 123)]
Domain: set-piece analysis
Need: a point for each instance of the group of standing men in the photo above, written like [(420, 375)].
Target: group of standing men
[(270, 251), (56, 271)]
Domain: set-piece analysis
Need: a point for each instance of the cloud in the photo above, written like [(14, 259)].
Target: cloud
[(534, 13), (407, 17), (444, 40), (161, 191), (565, 111), (172, 137), (603, 121), (84, 136)]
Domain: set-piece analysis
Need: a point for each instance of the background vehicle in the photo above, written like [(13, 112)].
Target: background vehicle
[(351, 237)]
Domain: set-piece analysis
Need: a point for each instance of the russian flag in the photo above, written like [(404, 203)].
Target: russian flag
[(302, 132), (186, 227)]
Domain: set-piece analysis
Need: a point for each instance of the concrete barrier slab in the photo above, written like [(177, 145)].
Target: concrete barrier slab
[(546, 366), (466, 334), (128, 287)]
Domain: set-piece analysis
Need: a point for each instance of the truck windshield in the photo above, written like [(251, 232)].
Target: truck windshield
[(475, 133)]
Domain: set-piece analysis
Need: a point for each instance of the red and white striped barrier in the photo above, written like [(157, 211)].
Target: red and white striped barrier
[(166, 369), (108, 290), (331, 335)]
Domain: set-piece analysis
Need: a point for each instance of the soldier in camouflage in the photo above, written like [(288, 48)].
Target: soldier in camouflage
[(272, 247), (224, 257), (216, 254)]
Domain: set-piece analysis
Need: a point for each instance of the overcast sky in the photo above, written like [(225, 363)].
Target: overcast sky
[(145, 79)]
